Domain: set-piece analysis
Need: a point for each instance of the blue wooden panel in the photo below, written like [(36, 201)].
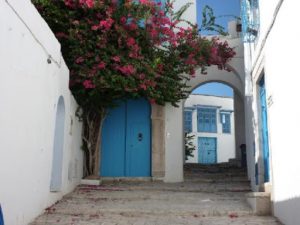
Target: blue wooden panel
[(264, 128), (138, 152), (113, 142), (207, 150)]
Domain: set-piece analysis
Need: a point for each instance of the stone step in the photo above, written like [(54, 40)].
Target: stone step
[(127, 219)]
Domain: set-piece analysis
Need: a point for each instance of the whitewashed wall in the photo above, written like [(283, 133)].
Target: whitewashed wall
[(276, 54), (225, 142), (29, 91)]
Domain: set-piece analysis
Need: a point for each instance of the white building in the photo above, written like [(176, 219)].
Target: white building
[(210, 119), (40, 136), (271, 34)]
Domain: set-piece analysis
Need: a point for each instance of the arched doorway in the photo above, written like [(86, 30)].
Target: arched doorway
[(58, 147), (174, 143), (209, 124)]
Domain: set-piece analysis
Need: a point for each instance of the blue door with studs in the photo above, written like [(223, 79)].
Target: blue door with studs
[(264, 128), (207, 150), (126, 140)]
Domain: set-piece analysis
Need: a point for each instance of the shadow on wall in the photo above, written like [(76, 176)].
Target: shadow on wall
[(287, 211)]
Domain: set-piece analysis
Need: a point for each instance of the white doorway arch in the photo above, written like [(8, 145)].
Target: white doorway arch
[(174, 143)]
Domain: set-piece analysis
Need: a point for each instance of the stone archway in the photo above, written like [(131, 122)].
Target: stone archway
[(174, 138)]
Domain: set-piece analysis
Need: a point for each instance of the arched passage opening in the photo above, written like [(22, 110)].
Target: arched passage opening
[(58, 147), (175, 141), (214, 125)]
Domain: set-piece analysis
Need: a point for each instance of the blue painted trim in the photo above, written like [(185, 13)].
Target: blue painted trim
[(264, 129), (1, 217)]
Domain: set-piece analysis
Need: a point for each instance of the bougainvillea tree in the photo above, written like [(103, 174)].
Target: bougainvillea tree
[(129, 49)]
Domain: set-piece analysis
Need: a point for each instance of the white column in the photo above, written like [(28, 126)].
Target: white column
[(174, 143)]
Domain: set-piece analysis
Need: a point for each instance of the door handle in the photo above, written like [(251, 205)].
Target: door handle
[(140, 136)]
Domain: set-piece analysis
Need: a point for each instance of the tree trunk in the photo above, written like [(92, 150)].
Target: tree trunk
[(91, 136)]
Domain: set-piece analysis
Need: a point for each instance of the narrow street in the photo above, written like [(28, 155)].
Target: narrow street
[(210, 195)]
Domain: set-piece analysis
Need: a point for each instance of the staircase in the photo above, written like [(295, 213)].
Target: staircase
[(210, 195)]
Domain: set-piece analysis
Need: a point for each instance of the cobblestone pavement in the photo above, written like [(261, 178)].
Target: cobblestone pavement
[(210, 195)]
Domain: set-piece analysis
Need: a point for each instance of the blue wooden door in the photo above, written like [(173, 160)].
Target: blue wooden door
[(264, 128), (207, 150), (126, 141)]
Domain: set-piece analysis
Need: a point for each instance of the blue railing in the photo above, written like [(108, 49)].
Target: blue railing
[(250, 20)]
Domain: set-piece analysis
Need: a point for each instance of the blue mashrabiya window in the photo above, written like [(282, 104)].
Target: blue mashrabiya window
[(207, 121), (225, 121), (188, 121)]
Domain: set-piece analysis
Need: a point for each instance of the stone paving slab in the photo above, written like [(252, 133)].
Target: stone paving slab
[(209, 197)]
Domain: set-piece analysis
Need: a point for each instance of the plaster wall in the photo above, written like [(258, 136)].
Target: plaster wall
[(275, 55), (29, 91), (225, 142)]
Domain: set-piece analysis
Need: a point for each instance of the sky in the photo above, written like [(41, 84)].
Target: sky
[(220, 8), (214, 88)]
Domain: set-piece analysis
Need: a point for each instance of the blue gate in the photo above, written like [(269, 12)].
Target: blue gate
[(264, 128), (207, 150), (126, 140)]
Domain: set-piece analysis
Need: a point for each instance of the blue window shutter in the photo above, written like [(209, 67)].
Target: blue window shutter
[(188, 121), (206, 118), (226, 123)]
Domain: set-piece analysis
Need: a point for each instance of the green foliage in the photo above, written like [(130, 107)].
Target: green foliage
[(189, 145)]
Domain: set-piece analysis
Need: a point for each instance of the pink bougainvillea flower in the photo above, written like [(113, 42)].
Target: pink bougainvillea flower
[(127, 70), (101, 65), (152, 101), (116, 58), (95, 27), (142, 76), (79, 60), (88, 84), (133, 26), (88, 3), (130, 42), (144, 2), (61, 35), (106, 24), (123, 20), (143, 86)]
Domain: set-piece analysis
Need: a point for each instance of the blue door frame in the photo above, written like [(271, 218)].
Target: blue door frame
[(264, 129), (126, 140), (207, 150)]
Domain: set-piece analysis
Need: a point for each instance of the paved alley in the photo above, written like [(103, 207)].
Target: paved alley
[(210, 195)]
